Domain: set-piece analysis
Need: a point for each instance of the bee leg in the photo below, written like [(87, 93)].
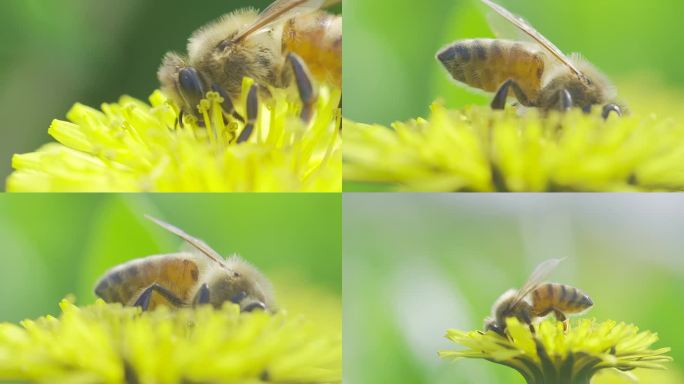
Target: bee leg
[(608, 108), (202, 296), (179, 122), (499, 101), (227, 105), (252, 110), (527, 320), (143, 300), (560, 316), (304, 85), (255, 305), (564, 100)]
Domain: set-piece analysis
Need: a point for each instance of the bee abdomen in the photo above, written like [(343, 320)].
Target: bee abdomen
[(488, 63), (565, 298), (120, 284), (317, 39)]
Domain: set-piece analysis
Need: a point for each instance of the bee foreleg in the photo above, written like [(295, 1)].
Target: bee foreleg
[(143, 300), (227, 105), (252, 111), (499, 101), (608, 108), (202, 296), (304, 85), (180, 119)]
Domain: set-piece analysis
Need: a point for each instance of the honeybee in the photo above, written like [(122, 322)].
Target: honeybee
[(536, 299), (288, 43), (538, 73), (186, 278)]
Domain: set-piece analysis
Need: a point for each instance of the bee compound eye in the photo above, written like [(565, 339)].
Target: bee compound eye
[(190, 82), (254, 306)]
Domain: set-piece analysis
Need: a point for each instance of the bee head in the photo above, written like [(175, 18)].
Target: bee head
[(242, 284), (491, 325), (500, 311)]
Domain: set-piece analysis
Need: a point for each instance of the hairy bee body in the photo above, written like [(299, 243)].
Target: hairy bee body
[(317, 39), (184, 279), (536, 299), (488, 63), (221, 62), (567, 299), (534, 69), (246, 43), (124, 283)]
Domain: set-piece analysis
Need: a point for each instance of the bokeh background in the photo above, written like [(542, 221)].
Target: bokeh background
[(415, 265), (54, 245), (390, 70), (55, 53)]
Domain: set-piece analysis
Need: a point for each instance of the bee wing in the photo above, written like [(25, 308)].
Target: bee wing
[(528, 31), (281, 10), (193, 241), (538, 275)]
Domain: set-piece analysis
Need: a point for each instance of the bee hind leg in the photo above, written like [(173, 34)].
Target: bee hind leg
[(143, 300), (252, 111), (499, 101), (560, 316), (304, 86)]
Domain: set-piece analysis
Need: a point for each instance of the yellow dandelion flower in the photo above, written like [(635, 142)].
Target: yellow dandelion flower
[(477, 149), (135, 146), (109, 343), (554, 355)]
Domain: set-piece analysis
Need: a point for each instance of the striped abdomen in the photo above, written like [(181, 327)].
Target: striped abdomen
[(565, 298), (317, 38), (487, 63), (124, 283)]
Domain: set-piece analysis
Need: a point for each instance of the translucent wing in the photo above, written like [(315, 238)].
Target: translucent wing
[(524, 27), (193, 241), (538, 275), (281, 10)]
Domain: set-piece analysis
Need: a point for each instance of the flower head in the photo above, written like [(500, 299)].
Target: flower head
[(477, 149), (554, 355), (109, 343), (135, 146)]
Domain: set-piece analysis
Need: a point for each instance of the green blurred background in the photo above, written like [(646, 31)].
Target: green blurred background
[(390, 70), (55, 53), (58, 244), (415, 265)]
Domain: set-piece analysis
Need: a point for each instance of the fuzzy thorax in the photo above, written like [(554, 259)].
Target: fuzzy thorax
[(594, 89)]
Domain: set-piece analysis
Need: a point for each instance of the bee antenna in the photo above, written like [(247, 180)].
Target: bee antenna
[(195, 242)]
